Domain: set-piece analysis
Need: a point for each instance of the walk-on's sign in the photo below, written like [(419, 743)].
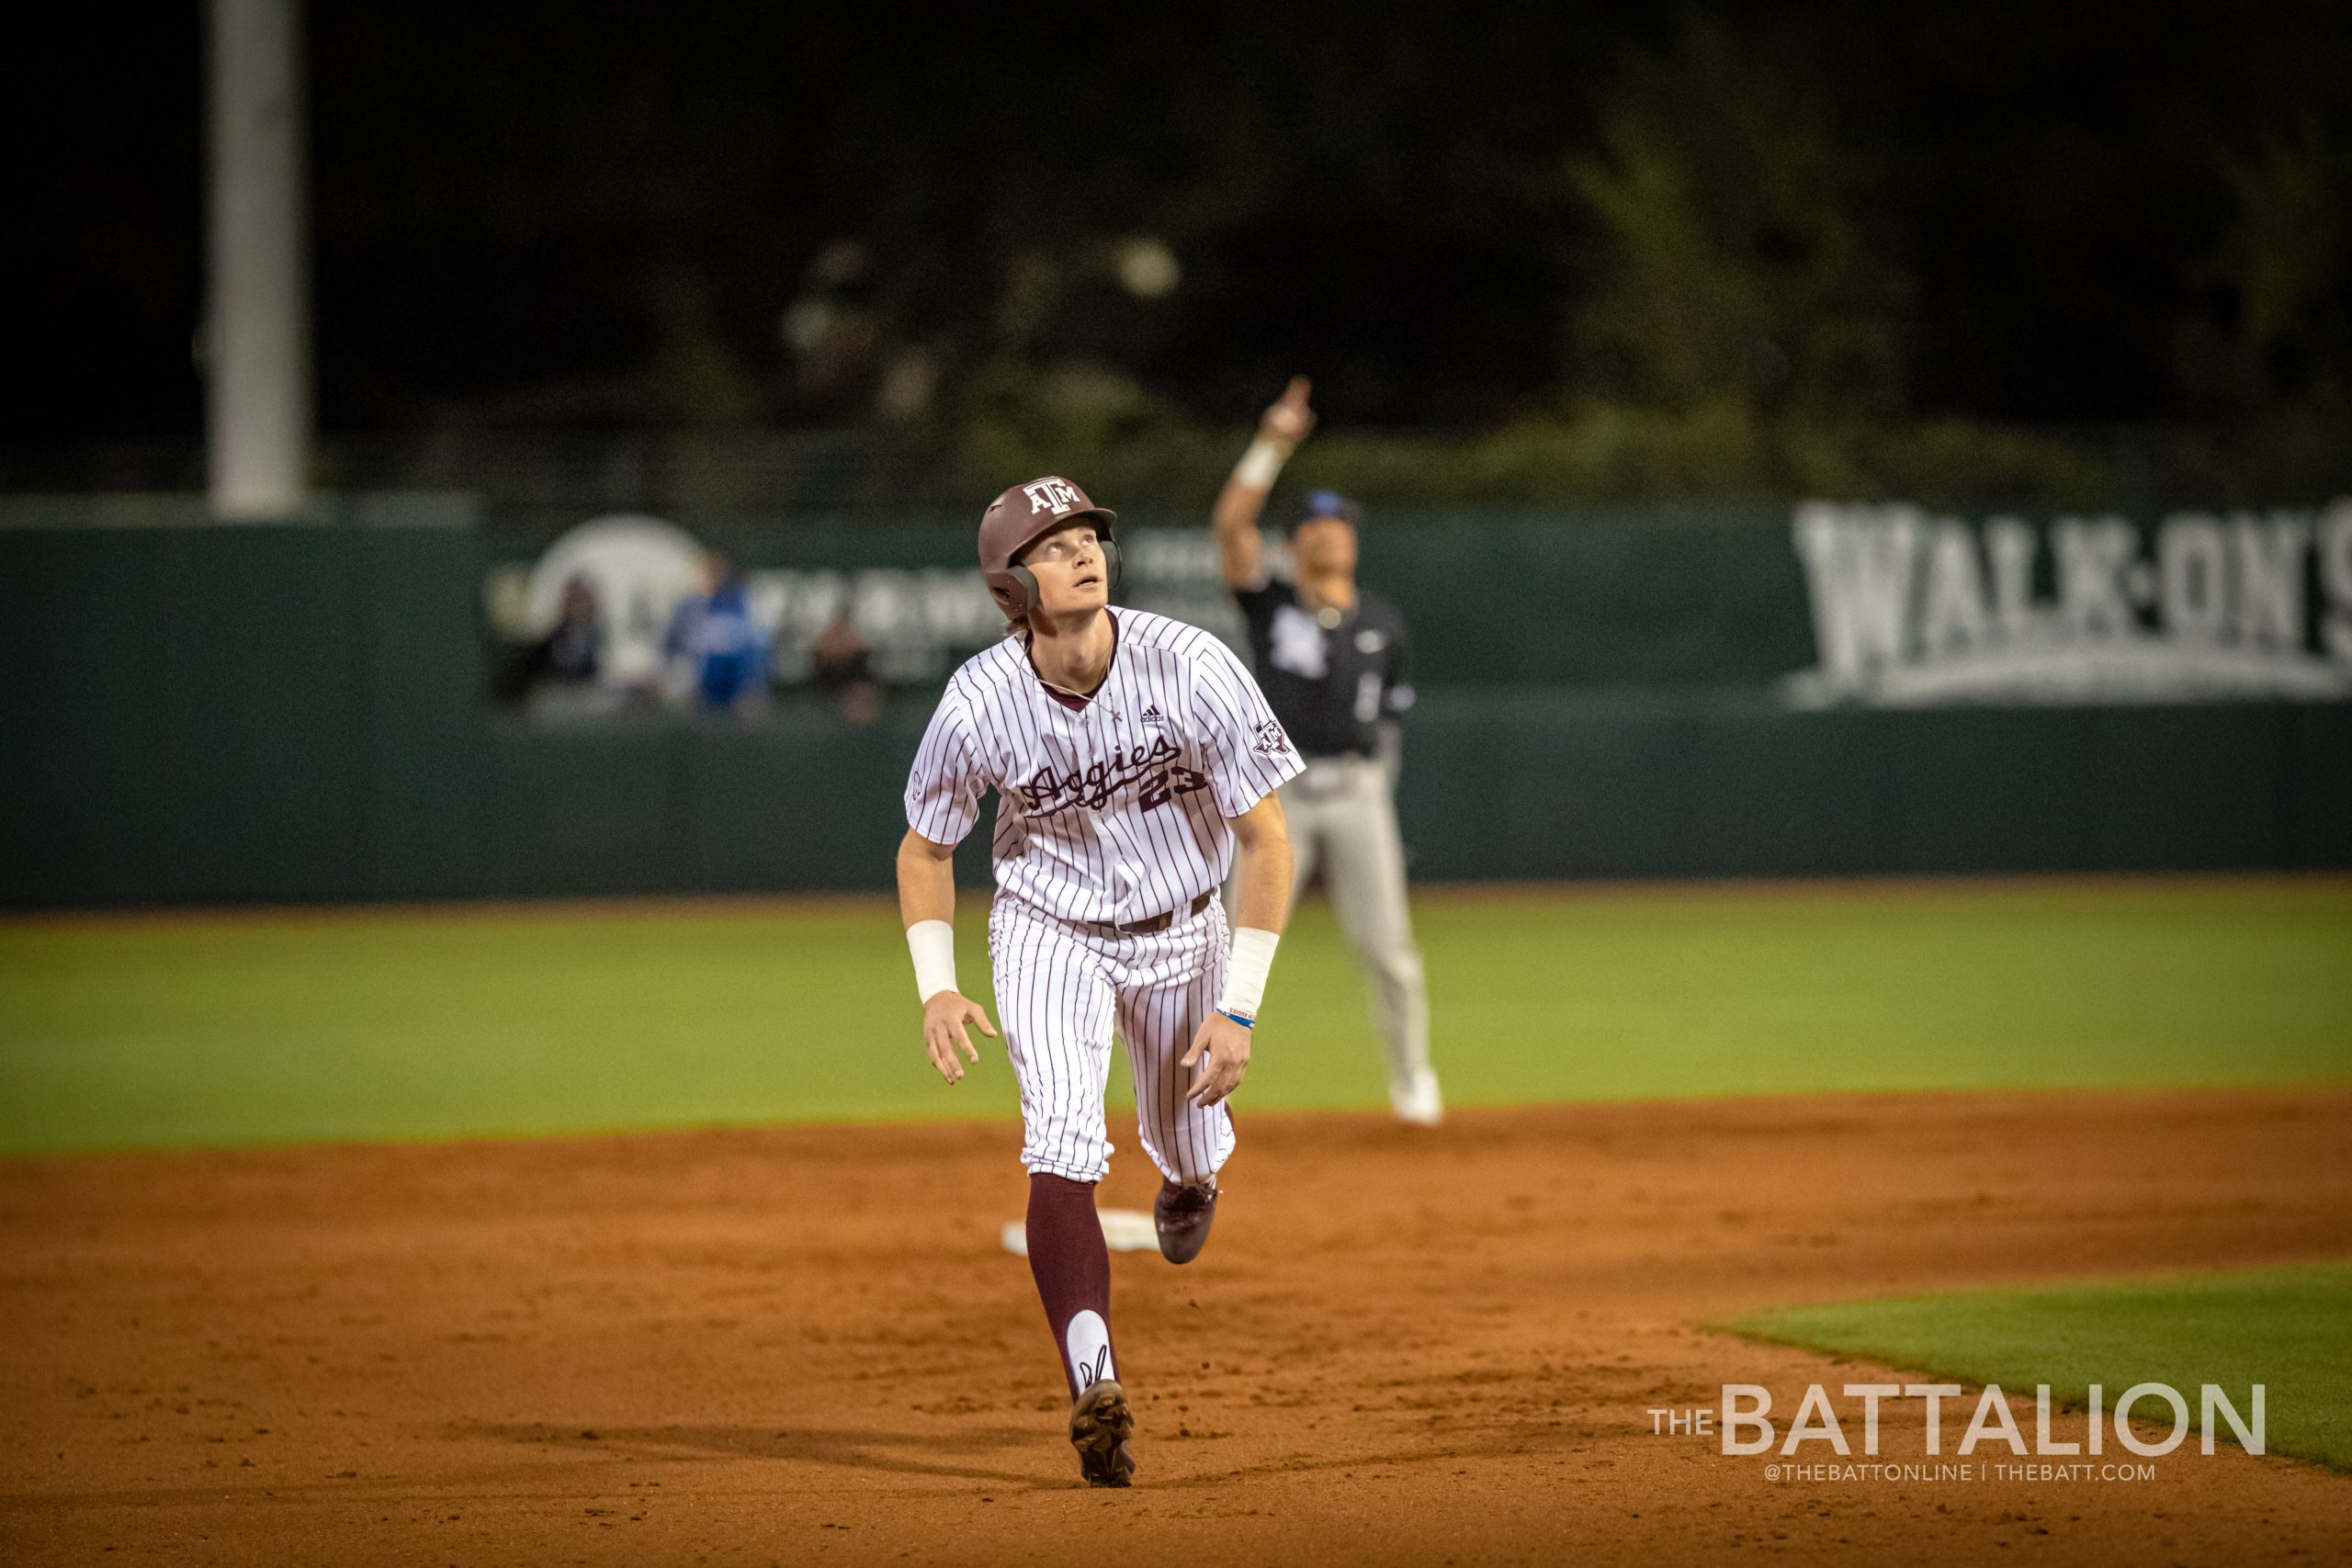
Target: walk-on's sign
[(1914, 610)]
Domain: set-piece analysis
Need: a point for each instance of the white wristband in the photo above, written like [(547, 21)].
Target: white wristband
[(932, 943), (1261, 464), (1245, 971)]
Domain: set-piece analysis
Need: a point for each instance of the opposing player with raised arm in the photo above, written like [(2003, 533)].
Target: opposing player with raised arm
[(1330, 654), (1131, 754)]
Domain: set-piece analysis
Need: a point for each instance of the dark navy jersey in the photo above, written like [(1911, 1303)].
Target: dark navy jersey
[(1331, 685)]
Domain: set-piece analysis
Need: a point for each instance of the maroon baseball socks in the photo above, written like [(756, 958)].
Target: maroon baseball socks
[(1072, 1268)]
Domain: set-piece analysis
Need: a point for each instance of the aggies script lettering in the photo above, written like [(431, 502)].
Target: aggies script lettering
[(1050, 791)]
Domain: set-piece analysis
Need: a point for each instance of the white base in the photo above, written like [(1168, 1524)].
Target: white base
[(1124, 1230)]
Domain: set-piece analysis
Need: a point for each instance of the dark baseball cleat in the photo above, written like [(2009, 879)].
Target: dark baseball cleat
[(1099, 1426), (1181, 1215)]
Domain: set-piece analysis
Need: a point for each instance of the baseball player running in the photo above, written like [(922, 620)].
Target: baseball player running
[(1130, 755), (1332, 655)]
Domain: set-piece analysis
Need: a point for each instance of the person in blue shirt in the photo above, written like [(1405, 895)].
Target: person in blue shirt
[(715, 635)]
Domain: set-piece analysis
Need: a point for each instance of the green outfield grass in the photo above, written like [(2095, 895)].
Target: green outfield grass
[(2289, 1329), (254, 1027)]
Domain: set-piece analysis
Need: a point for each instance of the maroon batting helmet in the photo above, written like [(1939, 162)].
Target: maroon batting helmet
[(1018, 518)]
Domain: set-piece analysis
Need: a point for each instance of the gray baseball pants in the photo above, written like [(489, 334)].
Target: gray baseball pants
[(1342, 817)]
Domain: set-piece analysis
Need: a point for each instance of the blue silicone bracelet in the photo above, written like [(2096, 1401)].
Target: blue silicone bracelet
[(1244, 1022)]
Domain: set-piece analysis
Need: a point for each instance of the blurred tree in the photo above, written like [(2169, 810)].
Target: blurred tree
[(1736, 261), (1728, 244), (2276, 330)]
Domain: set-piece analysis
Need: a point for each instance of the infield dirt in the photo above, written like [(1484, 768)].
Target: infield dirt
[(805, 1344)]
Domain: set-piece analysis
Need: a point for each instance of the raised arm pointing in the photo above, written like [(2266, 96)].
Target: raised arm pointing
[(1239, 505)]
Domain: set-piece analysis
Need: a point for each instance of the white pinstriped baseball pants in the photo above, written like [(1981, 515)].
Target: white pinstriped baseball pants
[(1060, 992)]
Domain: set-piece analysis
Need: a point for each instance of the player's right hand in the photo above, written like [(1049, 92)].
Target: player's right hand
[(947, 1018), (1290, 418)]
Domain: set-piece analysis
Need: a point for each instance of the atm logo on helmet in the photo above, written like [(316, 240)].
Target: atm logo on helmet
[(1056, 496)]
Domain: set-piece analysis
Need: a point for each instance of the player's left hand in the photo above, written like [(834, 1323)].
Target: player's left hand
[(1222, 1048)]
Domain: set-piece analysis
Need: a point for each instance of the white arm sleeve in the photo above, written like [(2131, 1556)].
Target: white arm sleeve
[(931, 944), (1246, 968)]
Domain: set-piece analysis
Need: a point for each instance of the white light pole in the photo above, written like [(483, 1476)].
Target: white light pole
[(257, 297)]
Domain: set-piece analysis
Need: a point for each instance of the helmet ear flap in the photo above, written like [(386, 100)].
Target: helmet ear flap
[(1111, 562)]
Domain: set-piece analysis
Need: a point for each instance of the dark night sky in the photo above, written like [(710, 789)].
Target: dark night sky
[(597, 215)]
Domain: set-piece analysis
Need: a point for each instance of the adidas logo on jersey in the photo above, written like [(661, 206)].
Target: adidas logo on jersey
[(1151, 716)]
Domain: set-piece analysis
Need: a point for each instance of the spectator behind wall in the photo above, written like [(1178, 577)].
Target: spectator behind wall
[(558, 673), (569, 654), (842, 672), (721, 649)]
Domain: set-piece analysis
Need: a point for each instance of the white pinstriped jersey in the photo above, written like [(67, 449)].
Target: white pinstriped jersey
[(1115, 811)]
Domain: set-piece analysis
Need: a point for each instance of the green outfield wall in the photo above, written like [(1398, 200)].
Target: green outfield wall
[(300, 713), (1493, 598)]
